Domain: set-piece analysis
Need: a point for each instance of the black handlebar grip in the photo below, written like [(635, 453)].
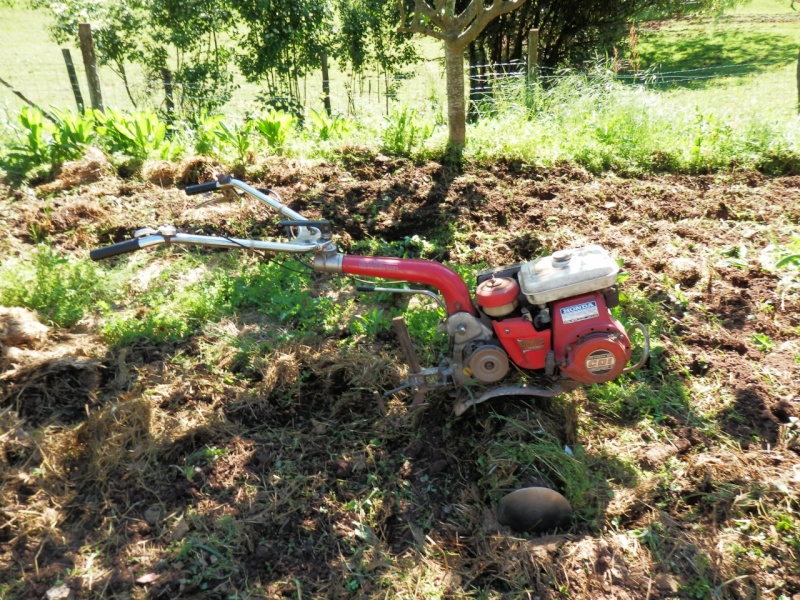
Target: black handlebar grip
[(114, 249), (201, 188), (365, 288)]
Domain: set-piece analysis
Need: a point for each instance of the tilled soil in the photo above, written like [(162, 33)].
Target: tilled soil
[(136, 472)]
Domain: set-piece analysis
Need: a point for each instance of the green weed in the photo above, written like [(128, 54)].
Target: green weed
[(61, 289), (370, 323), (238, 139), (763, 342), (204, 134), (139, 135), (169, 312), (42, 143), (32, 149), (605, 124), (524, 450), (784, 259), (172, 308), (71, 134), (788, 255), (326, 128), (276, 128), (404, 132)]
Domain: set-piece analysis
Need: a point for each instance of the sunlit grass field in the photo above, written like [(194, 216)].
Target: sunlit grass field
[(708, 93)]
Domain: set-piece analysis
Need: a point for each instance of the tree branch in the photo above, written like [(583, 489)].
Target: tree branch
[(415, 26), (468, 15), (498, 7)]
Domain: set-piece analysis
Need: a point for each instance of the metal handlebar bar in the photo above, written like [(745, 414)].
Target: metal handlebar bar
[(311, 236)]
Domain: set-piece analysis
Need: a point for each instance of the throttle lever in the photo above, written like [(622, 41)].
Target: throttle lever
[(323, 225), (166, 230)]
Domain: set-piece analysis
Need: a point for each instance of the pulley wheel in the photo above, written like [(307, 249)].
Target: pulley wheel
[(534, 509), (488, 363)]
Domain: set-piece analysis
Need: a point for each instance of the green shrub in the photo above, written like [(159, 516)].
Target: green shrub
[(140, 135), (32, 149), (71, 134), (236, 139), (204, 134)]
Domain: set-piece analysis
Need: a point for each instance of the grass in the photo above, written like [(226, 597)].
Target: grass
[(223, 440), (62, 289), (730, 102), (704, 46)]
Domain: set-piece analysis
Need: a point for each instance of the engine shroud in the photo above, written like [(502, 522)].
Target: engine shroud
[(590, 345)]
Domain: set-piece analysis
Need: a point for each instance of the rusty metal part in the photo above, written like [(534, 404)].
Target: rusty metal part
[(461, 407), (419, 381), (463, 328), (488, 363), (645, 348), (399, 324)]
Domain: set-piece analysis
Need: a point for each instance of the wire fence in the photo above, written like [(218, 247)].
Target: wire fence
[(772, 86)]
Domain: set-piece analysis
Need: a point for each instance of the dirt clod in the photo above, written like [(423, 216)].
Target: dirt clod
[(92, 167), (153, 515), (666, 582), (21, 327), (59, 592)]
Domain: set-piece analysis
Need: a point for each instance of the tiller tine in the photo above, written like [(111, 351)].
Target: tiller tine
[(416, 376)]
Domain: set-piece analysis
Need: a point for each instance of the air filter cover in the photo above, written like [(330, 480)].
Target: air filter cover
[(498, 296)]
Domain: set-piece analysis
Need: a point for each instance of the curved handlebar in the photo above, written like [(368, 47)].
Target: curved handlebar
[(190, 239), (201, 188), (115, 249), (210, 186), (312, 236)]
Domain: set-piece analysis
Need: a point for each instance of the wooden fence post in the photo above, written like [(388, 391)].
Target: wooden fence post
[(167, 77), (90, 63), (533, 55), (73, 79)]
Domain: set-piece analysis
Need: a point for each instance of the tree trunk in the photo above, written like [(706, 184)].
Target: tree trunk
[(456, 110), (326, 83)]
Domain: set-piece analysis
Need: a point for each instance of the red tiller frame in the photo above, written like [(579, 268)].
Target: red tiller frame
[(427, 272)]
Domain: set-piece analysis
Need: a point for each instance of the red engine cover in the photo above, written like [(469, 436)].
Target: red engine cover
[(590, 345), (525, 346)]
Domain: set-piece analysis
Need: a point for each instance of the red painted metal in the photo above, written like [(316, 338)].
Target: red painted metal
[(525, 346), (589, 349), (455, 291)]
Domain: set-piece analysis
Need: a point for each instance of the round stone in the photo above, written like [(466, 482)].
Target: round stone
[(534, 509)]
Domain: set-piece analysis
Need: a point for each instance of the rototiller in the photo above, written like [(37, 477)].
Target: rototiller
[(548, 318)]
